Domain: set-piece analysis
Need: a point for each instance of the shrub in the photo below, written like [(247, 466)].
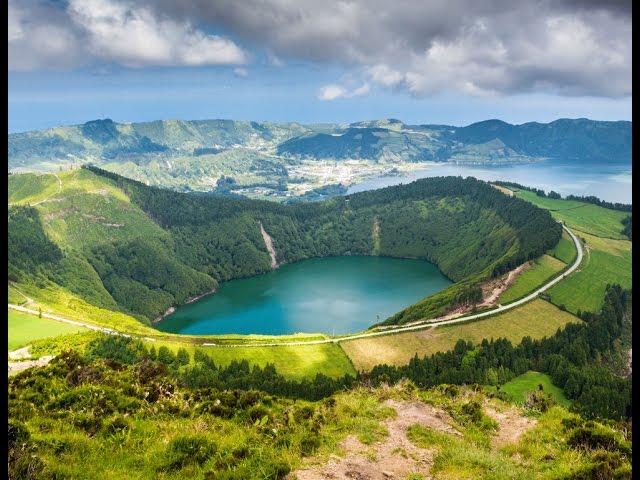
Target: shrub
[(303, 413), (605, 466), (257, 413), (147, 370), (451, 391), (539, 401), (87, 422), (591, 436), (115, 425), (86, 374), (18, 434), (473, 411), (112, 347), (188, 449)]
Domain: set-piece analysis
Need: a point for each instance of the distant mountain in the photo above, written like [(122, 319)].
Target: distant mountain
[(490, 141), (101, 141), (579, 140), (279, 161)]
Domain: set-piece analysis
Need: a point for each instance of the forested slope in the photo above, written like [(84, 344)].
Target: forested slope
[(144, 249)]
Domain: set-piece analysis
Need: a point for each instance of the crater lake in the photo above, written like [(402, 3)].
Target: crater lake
[(333, 295)]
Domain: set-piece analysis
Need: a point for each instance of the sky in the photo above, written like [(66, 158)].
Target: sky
[(441, 62)]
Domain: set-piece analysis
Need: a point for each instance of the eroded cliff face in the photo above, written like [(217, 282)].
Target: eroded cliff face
[(269, 244)]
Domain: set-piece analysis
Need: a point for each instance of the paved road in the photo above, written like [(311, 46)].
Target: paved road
[(406, 328)]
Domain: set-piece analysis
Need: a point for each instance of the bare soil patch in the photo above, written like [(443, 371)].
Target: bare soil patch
[(492, 290), (15, 367), (511, 425), (395, 457)]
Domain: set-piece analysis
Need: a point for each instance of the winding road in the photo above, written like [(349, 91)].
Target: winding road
[(406, 328)]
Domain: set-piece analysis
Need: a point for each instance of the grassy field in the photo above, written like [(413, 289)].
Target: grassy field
[(299, 361), (59, 301), (541, 269), (536, 319), (565, 250), (518, 388), (90, 211), (31, 187), (606, 261), (24, 328), (585, 217)]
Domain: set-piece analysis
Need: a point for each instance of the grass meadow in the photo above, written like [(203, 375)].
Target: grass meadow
[(24, 328), (518, 388), (536, 319)]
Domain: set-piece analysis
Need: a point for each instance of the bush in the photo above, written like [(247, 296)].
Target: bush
[(605, 466), (473, 411), (87, 422), (188, 449), (112, 347), (451, 391), (17, 434), (80, 375), (591, 436), (115, 425), (539, 401), (147, 370)]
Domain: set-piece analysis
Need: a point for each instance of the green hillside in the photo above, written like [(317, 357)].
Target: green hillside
[(119, 245), (607, 250)]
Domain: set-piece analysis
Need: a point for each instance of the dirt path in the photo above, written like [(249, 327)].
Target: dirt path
[(27, 299), (20, 354), (395, 457), (47, 199), (511, 425), (18, 366), (269, 244)]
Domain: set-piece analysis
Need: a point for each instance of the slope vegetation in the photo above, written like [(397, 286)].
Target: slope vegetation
[(122, 246)]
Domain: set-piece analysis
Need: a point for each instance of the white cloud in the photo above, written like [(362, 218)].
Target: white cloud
[(334, 91), (362, 90), (273, 60), (46, 35), (571, 47), (241, 72), (331, 92), (134, 36), (40, 36), (15, 19), (384, 75)]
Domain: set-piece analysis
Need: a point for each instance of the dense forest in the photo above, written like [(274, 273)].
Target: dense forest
[(467, 228)]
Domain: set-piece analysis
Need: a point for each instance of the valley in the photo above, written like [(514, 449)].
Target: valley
[(339, 240), (96, 238), (514, 278)]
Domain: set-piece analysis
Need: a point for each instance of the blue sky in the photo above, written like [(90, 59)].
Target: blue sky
[(70, 62)]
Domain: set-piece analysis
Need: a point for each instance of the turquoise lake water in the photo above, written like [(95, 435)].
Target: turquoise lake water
[(332, 295)]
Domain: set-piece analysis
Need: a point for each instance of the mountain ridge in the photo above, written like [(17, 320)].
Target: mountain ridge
[(290, 162)]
